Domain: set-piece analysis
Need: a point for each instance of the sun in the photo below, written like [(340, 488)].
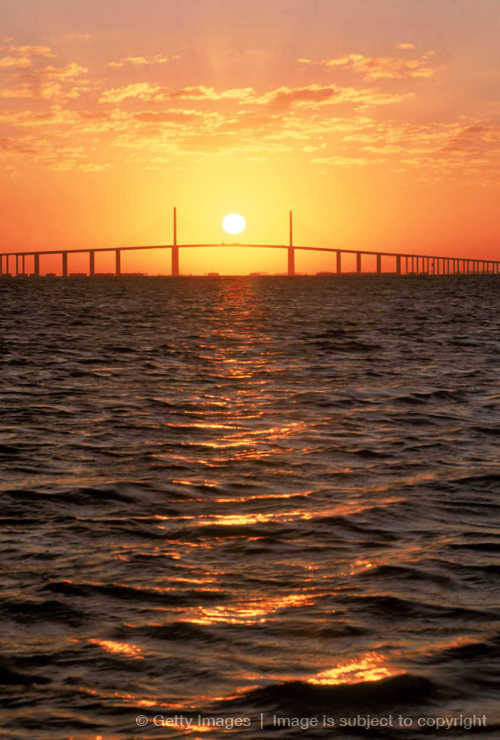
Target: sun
[(233, 223)]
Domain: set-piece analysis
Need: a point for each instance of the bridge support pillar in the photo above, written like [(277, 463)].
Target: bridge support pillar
[(17, 265), (118, 266), (91, 263), (175, 260), (358, 262), (339, 262), (65, 264), (23, 271), (37, 265), (398, 264), (379, 264)]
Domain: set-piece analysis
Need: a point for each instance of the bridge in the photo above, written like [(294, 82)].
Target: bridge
[(403, 263)]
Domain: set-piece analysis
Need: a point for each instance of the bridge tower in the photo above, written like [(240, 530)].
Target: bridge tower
[(291, 250), (175, 248)]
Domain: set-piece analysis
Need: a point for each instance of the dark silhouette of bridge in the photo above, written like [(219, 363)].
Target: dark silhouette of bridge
[(403, 263)]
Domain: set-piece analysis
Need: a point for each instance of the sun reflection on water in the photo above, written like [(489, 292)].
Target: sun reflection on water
[(252, 611), (368, 667), (119, 648)]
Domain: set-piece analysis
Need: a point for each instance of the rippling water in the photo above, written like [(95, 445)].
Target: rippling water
[(247, 499)]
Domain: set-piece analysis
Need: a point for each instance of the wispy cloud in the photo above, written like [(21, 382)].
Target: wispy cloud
[(280, 98), (22, 57), (141, 61), (47, 82), (63, 116), (157, 93), (285, 97), (379, 68)]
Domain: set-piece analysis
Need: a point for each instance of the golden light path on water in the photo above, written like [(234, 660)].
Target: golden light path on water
[(253, 508)]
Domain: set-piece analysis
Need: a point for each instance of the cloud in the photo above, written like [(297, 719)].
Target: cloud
[(28, 72), (19, 62), (46, 119), (278, 99), (139, 91), (49, 83), (31, 51), (144, 61), (378, 68), (314, 95), (285, 97), (405, 46), (70, 71), (148, 91), (22, 57)]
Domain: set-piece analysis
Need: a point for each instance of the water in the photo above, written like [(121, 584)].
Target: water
[(253, 500)]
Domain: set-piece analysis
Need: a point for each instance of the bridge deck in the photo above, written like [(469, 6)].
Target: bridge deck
[(342, 250)]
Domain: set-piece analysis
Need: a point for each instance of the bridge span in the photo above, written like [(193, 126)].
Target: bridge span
[(403, 263)]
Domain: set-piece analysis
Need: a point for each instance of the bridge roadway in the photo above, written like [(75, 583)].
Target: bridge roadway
[(403, 263)]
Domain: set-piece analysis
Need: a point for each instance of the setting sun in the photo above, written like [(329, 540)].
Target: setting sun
[(233, 223)]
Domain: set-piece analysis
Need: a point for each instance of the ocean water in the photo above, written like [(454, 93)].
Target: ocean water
[(262, 507)]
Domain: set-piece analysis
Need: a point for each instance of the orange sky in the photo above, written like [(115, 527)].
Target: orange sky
[(377, 121)]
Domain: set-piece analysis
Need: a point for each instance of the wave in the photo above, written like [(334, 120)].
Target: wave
[(299, 696)]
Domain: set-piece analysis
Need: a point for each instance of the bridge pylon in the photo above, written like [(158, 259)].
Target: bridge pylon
[(175, 248), (291, 250)]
